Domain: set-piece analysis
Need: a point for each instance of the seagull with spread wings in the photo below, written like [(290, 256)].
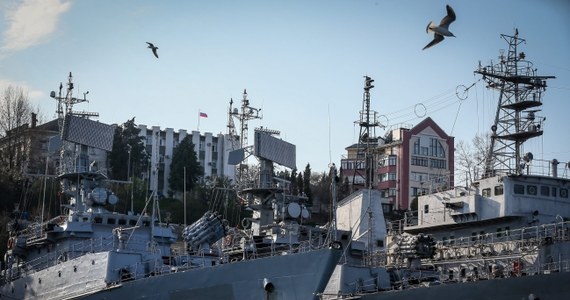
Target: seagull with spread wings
[(154, 48), (439, 32)]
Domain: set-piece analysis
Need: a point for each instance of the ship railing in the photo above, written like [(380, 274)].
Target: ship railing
[(524, 236), (548, 168)]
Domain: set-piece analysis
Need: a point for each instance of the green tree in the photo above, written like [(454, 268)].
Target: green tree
[(300, 182), (293, 180), (184, 158), (307, 190), (128, 157)]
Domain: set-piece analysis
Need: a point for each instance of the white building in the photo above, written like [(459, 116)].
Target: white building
[(211, 150)]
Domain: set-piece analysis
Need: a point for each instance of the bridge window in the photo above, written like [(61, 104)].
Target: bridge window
[(544, 191), (498, 190), (563, 193), (519, 189)]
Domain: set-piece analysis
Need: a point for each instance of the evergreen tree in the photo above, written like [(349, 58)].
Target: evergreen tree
[(293, 179), (307, 183), (184, 157), (299, 183), (128, 157)]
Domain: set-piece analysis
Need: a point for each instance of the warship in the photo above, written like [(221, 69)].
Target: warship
[(505, 235), (90, 252)]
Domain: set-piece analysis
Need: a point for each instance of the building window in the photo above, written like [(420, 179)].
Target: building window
[(419, 161), (392, 160), (419, 177), (414, 191), (392, 192), (417, 146), (437, 163), (436, 148)]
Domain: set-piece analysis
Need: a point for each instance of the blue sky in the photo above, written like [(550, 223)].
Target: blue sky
[(302, 62)]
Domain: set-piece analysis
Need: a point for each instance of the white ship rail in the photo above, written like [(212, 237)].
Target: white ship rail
[(546, 168)]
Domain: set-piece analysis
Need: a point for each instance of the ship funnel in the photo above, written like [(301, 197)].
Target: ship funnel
[(206, 231)]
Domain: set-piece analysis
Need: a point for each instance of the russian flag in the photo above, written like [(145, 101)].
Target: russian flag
[(203, 115)]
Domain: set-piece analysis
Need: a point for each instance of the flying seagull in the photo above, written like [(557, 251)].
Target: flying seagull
[(154, 48), (443, 29)]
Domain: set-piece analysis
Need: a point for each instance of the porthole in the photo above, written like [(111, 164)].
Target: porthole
[(531, 189)]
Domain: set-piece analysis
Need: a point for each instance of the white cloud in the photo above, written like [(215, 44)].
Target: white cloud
[(31, 22), (32, 94)]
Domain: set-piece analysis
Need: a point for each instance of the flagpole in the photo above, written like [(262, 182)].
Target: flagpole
[(198, 129)]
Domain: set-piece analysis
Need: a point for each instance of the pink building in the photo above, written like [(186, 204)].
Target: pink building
[(408, 163)]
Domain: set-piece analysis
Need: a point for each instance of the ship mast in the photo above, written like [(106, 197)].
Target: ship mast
[(515, 120), (69, 153), (367, 142), (246, 114), (367, 139)]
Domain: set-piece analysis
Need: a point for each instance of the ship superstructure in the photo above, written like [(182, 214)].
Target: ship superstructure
[(90, 252)]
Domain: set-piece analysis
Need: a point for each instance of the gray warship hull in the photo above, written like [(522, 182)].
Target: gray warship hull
[(95, 276), (544, 286)]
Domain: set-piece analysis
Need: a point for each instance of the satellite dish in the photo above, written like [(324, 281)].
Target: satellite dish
[(494, 128), (528, 157)]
